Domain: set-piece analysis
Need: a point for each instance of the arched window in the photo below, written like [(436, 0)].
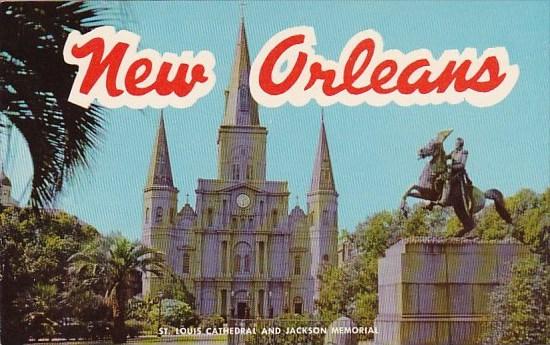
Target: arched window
[(261, 212), (247, 264), (325, 177), (325, 258), (172, 215), (244, 99), (261, 245), (224, 302), (243, 223), (209, 217), (158, 215), (275, 218), (242, 252), (237, 264), (325, 217), (261, 294), (236, 175), (186, 263), (297, 265), (224, 257), (147, 215), (224, 213)]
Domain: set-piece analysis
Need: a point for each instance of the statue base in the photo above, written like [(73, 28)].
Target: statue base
[(436, 291)]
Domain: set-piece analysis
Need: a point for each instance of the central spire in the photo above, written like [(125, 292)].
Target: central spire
[(240, 107), (241, 138)]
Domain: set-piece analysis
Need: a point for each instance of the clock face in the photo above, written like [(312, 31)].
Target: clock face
[(243, 200)]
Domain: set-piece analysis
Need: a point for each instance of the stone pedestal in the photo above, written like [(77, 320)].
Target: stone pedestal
[(436, 291)]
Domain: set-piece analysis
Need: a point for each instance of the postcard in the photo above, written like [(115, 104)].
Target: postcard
[(275, 172)]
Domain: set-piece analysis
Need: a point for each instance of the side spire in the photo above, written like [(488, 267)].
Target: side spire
[(322, 179), (240, 108), (160, 170), (4, 180)]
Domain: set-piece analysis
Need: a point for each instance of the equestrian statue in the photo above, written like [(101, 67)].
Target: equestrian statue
[(444, 182)]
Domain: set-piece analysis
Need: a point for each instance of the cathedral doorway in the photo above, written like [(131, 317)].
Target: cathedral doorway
[(242, 310), (298, 305), (240, 304)]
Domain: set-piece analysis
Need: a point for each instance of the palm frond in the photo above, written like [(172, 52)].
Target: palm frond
[(34, 89), (113, 259)]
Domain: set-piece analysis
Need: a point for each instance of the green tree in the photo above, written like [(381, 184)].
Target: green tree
[(521, 310), (174, 288), (84, 303), (416, 224), (139, 308), (34, 249), (351, 289), (453, 227), (531, 221), (59, 134), (491, 227), (333, 296), (373, 235), (179, 314), (173, 313), (176, 306), (110, 262)]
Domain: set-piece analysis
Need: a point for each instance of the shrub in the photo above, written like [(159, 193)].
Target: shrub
[(134, 328), (212, 321), (521, 310)]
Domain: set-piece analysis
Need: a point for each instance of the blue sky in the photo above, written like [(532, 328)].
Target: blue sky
[(373, 149)]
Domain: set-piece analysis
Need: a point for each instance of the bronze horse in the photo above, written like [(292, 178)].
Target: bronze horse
[(431, 183)]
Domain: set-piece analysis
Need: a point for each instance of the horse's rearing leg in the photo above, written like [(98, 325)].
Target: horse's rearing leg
[(403, 206), (408, 192)]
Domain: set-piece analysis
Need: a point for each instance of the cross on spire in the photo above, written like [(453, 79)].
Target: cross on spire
[(242, 4)]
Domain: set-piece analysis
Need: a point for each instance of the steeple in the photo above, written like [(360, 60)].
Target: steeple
[(241, 139), (5, 189), (240, 107), (160, 170), (322, 179), (160, 202), (4, 180)]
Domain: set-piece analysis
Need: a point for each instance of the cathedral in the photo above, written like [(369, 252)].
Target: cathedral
[(240, 250)]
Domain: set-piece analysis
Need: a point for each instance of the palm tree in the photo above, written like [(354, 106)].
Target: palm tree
[(34, 86), (110, 262)]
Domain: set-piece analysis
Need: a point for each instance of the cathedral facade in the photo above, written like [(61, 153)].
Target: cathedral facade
[(240, 250)]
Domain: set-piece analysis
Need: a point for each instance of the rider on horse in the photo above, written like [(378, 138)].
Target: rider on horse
[(457, 173), (448, 185)]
